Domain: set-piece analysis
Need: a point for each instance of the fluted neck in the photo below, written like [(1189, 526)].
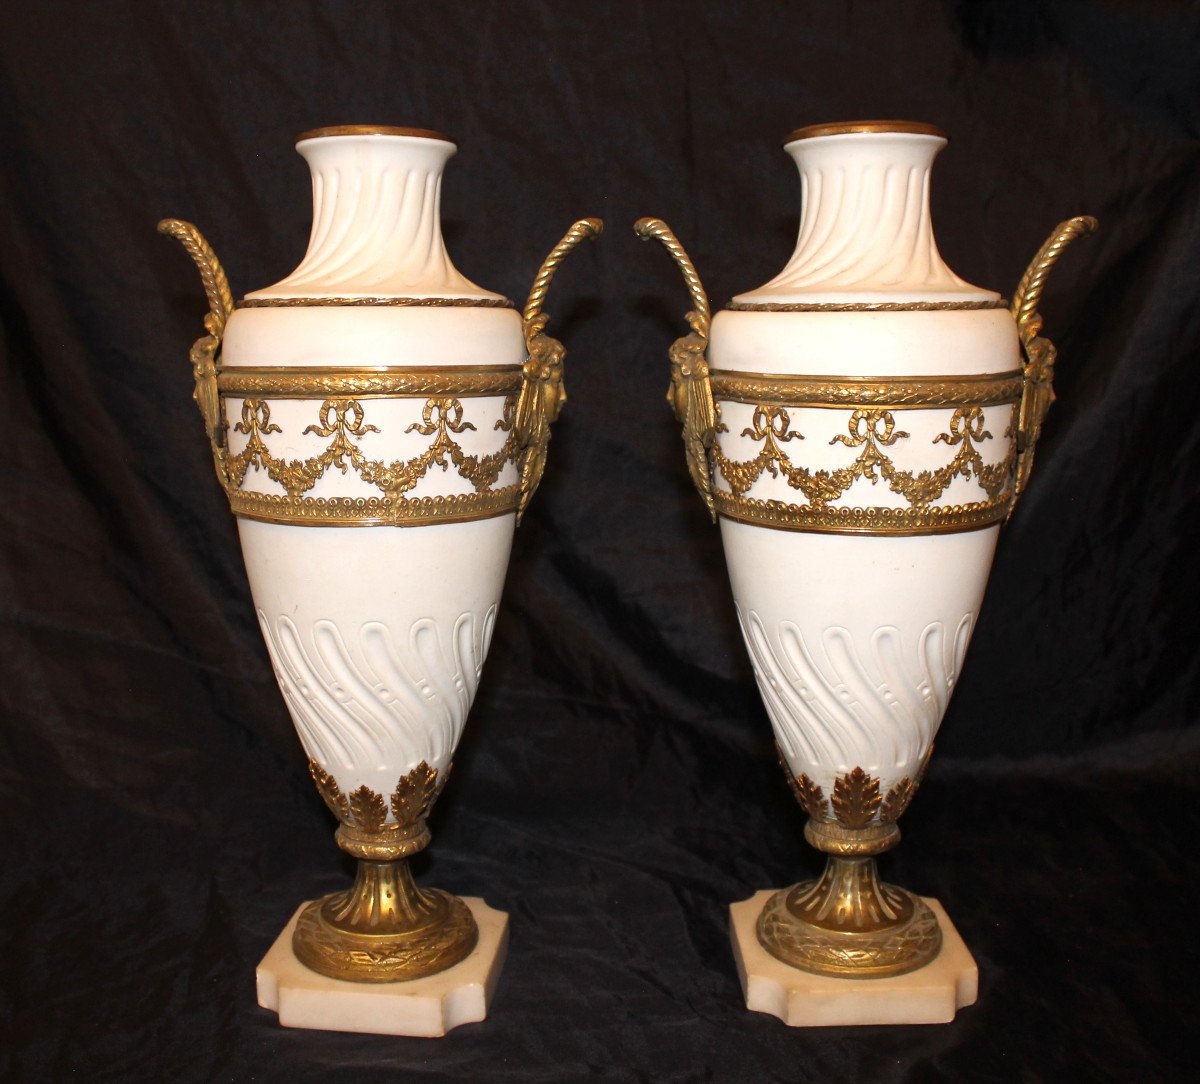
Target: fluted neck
[(376, 228), (865, 228)]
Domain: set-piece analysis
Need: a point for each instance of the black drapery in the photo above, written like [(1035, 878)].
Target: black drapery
[(617, 786)]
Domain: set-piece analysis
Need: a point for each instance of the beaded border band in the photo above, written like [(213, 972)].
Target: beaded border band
[(868, 306), (359, 302)]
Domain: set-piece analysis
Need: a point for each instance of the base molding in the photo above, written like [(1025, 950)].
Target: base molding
[(429, 1006), (930, 995)]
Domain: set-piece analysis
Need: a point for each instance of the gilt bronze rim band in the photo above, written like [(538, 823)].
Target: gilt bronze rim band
[(372, 129), (374, 511), (462, 382), (859, 127), (867, 306), (901, 392), (865, 521), (382, 302)]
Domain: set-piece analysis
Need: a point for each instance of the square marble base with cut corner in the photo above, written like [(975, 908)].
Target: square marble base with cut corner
[(429, 1007), (930, 995)]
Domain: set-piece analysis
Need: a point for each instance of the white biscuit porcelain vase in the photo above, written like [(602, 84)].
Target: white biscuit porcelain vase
[(861, 426), (379, 424)]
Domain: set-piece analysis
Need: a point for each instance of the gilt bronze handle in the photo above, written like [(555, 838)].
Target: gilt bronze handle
[(206, 348), (690, 393), (1038, 352), (542, 391)]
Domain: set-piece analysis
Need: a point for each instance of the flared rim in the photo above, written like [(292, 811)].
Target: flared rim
[(371, 129), (855, 127)]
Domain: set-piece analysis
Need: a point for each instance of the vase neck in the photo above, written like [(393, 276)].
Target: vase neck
[(865, 228), (376, 228)]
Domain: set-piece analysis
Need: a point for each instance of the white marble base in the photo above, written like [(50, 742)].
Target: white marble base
[(430, 1006), (930, 995)]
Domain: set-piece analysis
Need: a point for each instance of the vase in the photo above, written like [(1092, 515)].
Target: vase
[(379, 424), (861, 426)]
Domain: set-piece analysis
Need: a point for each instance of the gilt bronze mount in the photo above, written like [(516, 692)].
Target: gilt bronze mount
[(384, 928)]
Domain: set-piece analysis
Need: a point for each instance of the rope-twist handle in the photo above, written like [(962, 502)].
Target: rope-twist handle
[(1038, 351), (1029, 291), (580, 231), (205, 349), (212, 274), (656, 229), (690, 393), (542, 391)]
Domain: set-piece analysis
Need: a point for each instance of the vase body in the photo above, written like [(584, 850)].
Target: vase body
[(379, 424), (377, 634), (860, 426), (867, 397)]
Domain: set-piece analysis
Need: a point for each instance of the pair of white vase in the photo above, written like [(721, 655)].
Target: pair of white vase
[(861, 425)]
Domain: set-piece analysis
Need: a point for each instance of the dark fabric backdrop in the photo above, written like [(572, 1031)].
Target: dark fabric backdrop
[(617, 786)]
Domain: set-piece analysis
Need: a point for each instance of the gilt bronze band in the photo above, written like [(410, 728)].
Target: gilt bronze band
[(865, 521), (374, 511), (459, 381), (853, 127), (372, 130), (381, 302), (894, 393), (867, 306)]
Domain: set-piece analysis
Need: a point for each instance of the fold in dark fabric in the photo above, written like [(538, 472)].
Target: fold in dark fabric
[(617, 787)]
